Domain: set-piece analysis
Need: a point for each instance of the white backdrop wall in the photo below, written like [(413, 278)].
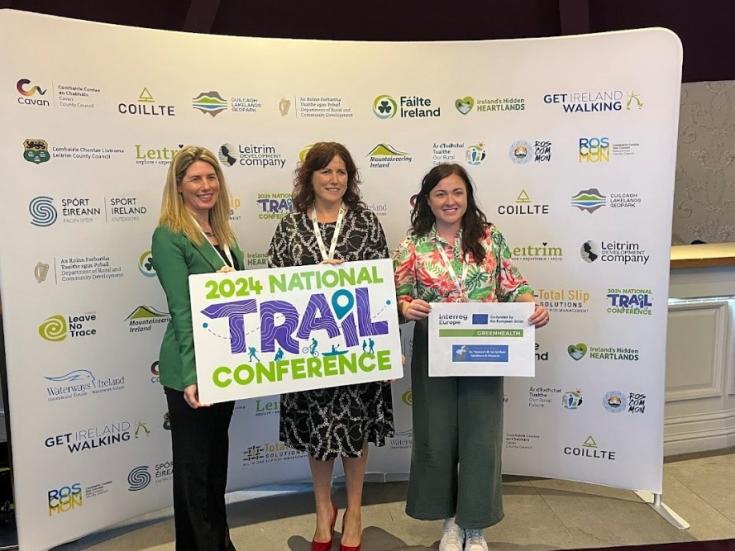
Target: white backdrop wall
[(571, 143)]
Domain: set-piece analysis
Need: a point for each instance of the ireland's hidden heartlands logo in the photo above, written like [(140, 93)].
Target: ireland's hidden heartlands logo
[(466, 104), (606, 353)]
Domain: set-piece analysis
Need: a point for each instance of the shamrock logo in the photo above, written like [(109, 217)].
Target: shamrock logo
[(385, 107)]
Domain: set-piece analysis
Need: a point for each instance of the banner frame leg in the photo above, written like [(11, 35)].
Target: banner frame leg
[(657, 504)]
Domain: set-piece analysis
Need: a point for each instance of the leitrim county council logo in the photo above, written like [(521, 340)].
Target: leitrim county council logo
[(209, 102), (42, 210), (464, 105), (385, 107), (54, 329), (36, 151)]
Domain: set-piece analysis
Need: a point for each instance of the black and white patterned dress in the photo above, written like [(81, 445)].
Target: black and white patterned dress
[(333, 422)]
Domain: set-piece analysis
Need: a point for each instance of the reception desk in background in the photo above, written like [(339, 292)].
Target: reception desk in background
[(700, 361)]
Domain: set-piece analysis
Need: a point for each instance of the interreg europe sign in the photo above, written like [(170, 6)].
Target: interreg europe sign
[(264, 332)]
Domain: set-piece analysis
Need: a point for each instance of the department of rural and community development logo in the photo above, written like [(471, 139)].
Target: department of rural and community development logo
[(209, 102)]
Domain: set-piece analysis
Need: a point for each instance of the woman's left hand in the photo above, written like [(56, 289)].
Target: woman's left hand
[(225, 269), (540, 316)]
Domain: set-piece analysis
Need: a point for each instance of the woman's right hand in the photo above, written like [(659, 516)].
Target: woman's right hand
[(191, 397), (415, 310)]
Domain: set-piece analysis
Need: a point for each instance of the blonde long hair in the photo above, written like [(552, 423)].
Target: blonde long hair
[(175, 215)]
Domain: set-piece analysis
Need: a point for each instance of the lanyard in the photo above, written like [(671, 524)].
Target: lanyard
[(225, 246), (318, 233), (465, 266)]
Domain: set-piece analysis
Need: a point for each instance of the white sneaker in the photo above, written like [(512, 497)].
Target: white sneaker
[(452, 536), (475, 540)]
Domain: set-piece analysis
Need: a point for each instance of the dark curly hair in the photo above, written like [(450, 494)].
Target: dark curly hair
[(319, 156), (474, 221)]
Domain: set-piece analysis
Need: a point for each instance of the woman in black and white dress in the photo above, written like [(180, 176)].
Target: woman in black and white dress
[(330, 224)]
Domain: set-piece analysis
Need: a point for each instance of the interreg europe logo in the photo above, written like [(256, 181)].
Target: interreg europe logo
[(36, 151), (138, 478), (589, 200), (27, 93), (412, 107), (145, 264), (209, 102), (636, 302), (64, 498), (522, 152)]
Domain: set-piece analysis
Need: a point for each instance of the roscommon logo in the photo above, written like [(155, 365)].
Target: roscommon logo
[(385, 107), (54, 329), (42, 210)]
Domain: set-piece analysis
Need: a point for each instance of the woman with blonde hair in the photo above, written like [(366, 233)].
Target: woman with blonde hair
[(194, 237)]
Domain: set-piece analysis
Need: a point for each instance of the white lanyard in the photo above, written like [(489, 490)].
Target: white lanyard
[(318, 233), (226, 247), (465, 266)]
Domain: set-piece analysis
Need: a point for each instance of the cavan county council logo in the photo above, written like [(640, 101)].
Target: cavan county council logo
[(145, 264), (54, 329), (42, 211), (209, 102), (36, 151), (27, 92), (385, 107), (138, 478), (475, 154), (577, 351), (589, 200), (226, 154), (615, 401), (572, 400), (464, 105)]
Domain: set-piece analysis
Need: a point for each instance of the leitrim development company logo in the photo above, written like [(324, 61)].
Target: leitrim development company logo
[(464, 105), (143, 318), (589, 200), (27, 93), (251, 155), (618, 252), (138, 478), (412, 107), (42, 210), (590, 450), (384, 155), (524, 205), (475, 154), (146, 105), (572, 399), (209, 102), (385, 107), (36, 151), (54, 329), (226, 154), (145, 264)]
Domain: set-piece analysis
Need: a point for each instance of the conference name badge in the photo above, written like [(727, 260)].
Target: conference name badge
[(481, 339), (265, 332)]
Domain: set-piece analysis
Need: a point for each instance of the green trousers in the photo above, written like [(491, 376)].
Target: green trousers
[(457, 444)]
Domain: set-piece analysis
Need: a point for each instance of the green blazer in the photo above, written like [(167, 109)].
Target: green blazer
[(175, 258)]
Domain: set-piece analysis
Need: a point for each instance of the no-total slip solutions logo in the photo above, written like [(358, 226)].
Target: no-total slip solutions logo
[(412, 107), (614, 252), (632, 302), (56, 328), (143, 318), (80, 382), (574, 300), (146, 106), (269, 452), (251, 155), (600, 101)]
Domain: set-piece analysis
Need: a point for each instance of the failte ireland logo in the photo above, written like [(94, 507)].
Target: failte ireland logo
[(145, 264), (385, 107)]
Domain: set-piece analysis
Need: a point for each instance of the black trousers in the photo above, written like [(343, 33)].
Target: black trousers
[(200, 445)]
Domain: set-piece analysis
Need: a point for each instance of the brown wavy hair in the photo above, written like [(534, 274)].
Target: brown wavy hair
[(474, 221), (319, 156)]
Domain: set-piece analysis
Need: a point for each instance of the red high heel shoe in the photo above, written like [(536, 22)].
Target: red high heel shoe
[(347, 547), (326, 545)]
